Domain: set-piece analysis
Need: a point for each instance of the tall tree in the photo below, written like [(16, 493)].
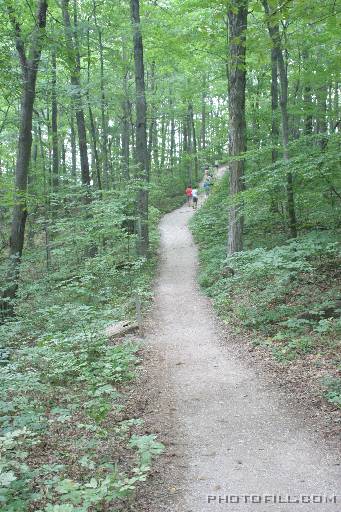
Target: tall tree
[(29, 62), (141, 132), (275, 36), (75, 71), (104, 117), (237, 24), (54, 123)]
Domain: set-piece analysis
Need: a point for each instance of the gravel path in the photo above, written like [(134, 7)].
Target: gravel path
[(228, 431)]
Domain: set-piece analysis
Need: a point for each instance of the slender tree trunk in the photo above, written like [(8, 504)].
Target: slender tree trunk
[(141, 133), (152, 115), (308, 122), (336, 103), (321, 122), (125, 137), (203, 114), (194, 138), (93, 131), (133, 135), (283, 80), (126, 115), (43, 164), (104, 120), (172, 135), (73, 145), (29, 68), (237, 24), (155, 144), (30, 186), (186, 148), (274, 105), (274, 118), (54, 124), (63, 155), (49, 148), (163, 141), (96, 162), (74, 65)]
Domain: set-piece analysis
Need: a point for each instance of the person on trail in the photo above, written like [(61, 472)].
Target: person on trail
[(195, 198), (206, 186), (188, 193)]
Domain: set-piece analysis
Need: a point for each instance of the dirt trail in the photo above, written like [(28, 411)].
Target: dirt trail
[(228, 430)]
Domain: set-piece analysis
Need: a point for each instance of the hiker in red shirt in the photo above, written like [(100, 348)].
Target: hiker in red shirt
[(188, 193)]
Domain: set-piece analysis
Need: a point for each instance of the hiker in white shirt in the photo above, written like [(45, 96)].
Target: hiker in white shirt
[(195, 197)]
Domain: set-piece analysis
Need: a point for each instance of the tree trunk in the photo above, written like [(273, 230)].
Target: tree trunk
[(308, 121), (73, 145), (125, 138), (74, 66), (29, 68), (141, 133), (186, 149), (63, 155), (163, 141), (93, 131), (104, 142), (203, 114), (172, 136), (152, 116), (54, 124), (126, 115), (321, 122), (274, 105), (194, 138), (336, 104), (237, 24), (283, 80)]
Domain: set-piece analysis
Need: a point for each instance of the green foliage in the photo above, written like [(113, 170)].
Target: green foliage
[(63, 385), (288, 295), (333, 390)]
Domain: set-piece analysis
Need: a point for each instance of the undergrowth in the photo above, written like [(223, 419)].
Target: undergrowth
[(67, 444), (286, 292)]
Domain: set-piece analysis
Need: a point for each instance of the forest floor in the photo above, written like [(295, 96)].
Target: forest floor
[(228, 428)]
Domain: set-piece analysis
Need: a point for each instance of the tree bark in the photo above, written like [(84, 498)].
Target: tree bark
[(308, 121), (163, 140), (336, 103), (156, 159), (125, 137), (141, 133), (237, 24), (54, 124), (126, 115), (104, 119), (73, 145), (194, 138), (29, 62), (203, 114), (74, 66), (283, 80), (172, 136), (96, 176), (152, 123), (274, 105), (321, 122)]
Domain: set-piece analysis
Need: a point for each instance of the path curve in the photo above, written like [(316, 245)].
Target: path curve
[(228, 430)]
